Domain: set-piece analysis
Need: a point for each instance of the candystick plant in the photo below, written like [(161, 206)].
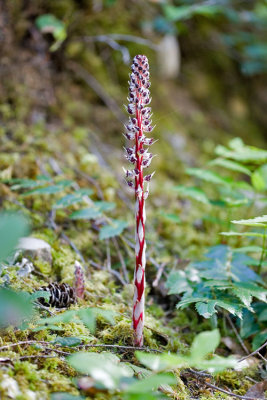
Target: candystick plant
[(138, 155)]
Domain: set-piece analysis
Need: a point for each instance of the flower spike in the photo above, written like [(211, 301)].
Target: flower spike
[(139, 122)]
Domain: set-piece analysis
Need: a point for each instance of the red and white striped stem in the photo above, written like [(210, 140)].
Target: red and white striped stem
[(139, 123)]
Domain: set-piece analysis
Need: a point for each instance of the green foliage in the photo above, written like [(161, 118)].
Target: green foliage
[(94, 212), (12, 227), (114, 229), (88, 316), (224, 280), (193, 193), (44, 185), (86, 213), (109, 373), (71, 199), (69, 341), (17, 308), (48, 23), (203, 345), (105, 368), (248, 181), (243, 32)]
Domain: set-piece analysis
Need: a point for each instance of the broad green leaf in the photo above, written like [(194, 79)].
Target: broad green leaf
[(204, 344), (259, 178), (206, 309), (12, 227), (104, 205), (88, 317), (16, 308), (151, 383), (258, 340), (104, 368), (248, 326), (232, 308), (177, 282), (26, 184), (68, 341), (108, 315), (257, 221), (86, 213), (65, 317), (263, 315), (51, 327), (48, 23), (152, 361), (216, 364), (242, 153), (248, 249), (171, 217), (193, 193), (228, 164), (209, 176), (73, 198), (115, 229), (160, 362), (245, 291), (45, 190), (178, 13), (186, 301), (248, 234)]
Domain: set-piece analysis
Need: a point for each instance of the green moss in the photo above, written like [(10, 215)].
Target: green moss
[(63, 263)]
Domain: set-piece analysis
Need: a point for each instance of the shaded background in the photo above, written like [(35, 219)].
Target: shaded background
[(63, 82)]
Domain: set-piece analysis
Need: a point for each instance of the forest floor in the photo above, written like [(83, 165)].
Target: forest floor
[(63, 131)]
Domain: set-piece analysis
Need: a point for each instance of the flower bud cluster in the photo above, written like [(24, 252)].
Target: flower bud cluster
[(139, 124)]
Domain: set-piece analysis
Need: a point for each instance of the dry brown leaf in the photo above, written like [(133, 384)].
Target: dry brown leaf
[(257, 391)]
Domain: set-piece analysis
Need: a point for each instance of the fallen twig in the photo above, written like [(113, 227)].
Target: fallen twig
[(116, 346), (159, 273), (254, 352), (237, 334), (123, 265), (230, 393), (201, 374), (123, 37), (111, 271), (91, 81)]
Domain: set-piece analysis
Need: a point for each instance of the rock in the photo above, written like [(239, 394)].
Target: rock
[(10, 387), (35, 249), (25, 267)]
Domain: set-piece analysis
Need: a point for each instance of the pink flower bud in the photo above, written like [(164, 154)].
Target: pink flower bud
[(79, 280)]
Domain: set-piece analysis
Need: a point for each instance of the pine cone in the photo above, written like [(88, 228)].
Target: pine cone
[(61, 295)]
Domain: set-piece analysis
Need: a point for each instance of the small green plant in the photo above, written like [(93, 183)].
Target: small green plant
[(228, 279), (245, 189), (52, 188), (109, 373), (87, 316), (223, 281), (48, 23)]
